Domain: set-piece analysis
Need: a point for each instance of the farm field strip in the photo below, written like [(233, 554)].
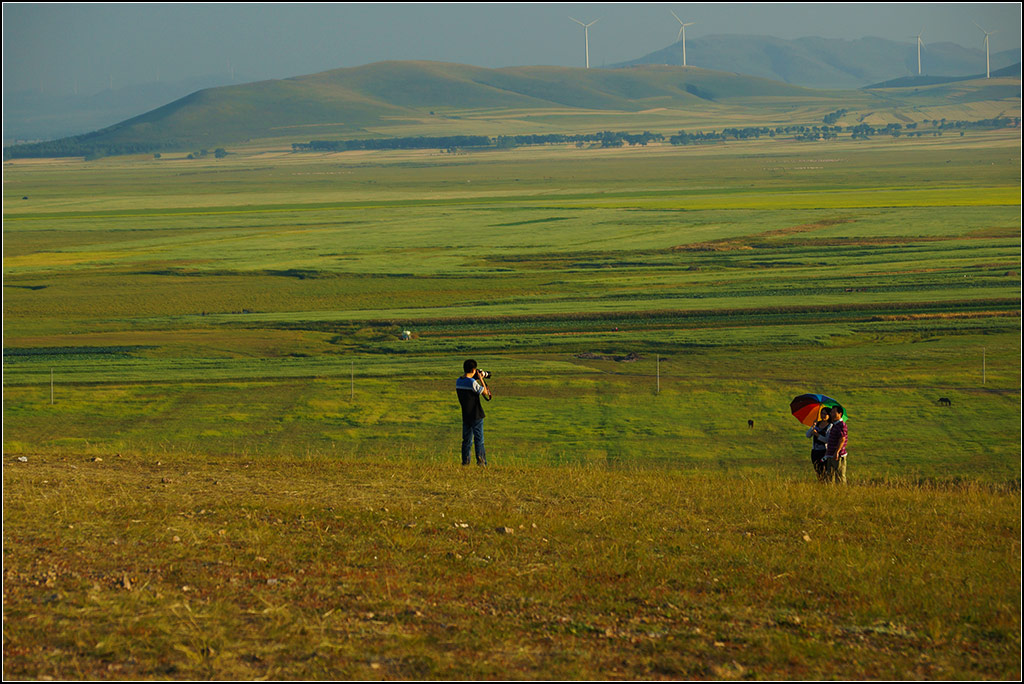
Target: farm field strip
[(681, 199)]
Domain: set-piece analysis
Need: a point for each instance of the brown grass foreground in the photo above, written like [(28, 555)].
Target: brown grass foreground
[(315, 568)]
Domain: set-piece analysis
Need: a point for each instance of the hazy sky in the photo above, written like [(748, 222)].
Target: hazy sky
[(57, 48)]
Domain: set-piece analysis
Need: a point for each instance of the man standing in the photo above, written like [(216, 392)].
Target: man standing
[(470, 387), (835, 448)]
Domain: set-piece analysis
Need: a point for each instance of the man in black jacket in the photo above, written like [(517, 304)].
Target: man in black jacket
[(470, 387)]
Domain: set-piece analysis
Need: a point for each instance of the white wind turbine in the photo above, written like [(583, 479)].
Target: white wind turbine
[(682, 34), (919, 52), (586, 36), (988, 71)]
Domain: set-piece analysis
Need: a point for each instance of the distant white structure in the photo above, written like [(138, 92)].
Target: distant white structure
[(682, 34), (988, 71), (406, 335), (586, 36)]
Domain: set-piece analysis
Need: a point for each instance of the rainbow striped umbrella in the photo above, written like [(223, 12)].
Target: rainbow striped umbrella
[(807, 407)]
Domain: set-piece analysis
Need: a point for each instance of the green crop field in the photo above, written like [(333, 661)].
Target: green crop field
[(192, 348)]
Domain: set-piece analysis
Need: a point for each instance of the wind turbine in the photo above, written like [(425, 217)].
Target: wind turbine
[(682, 34), (988, 71), (586, 36), (919, 52)]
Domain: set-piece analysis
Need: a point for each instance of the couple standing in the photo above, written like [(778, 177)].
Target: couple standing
[(828, 446)]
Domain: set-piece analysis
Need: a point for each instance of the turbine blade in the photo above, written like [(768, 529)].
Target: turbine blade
[(674, 15), (578, 21)]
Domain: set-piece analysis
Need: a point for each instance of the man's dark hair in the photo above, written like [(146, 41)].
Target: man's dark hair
[(839, 409), (468, 365)]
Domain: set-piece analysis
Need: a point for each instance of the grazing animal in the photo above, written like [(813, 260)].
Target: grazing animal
[(750, 423), (945, 402)]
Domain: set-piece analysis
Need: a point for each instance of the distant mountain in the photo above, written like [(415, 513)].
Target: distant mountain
[(1012, 71), (809, 62), (825, 63), (359, 102), (345, 101)]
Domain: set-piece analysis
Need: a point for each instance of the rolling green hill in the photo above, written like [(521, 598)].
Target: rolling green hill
[(357, 102), (348, 100)]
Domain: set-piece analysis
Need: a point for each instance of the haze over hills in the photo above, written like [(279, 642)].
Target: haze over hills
[(825, 63), (1012, 71), (810, 62), (32, 115), (361, 102), (346, 101)]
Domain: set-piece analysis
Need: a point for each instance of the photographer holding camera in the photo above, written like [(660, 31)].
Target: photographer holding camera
[(470, 387)]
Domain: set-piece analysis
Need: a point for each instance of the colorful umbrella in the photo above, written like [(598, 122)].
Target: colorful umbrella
[(807, 407)]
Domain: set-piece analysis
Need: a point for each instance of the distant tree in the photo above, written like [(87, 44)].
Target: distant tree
[(156, 155), (220, 153)]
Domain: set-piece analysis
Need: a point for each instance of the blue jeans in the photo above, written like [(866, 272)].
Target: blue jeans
[(473, 432)]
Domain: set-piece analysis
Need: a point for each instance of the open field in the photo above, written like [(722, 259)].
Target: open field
[(225, 336), (308, 567)]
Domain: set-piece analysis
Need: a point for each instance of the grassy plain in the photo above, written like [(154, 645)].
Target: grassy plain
[(243, 568), (224, 335)]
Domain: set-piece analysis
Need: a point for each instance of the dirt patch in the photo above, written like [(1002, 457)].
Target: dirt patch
[(964, 314), (995, 232), (803, 228), (628, 358), (713, 246), (737, 244)]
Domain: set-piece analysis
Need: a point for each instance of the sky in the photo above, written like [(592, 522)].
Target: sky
[(86, 48)]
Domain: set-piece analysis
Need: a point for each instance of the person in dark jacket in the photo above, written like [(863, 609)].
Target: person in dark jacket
[(470, 387), (835, 448), (818, 439)]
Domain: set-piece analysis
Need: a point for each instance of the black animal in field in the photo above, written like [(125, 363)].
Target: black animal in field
[(750, 423), (945, 402)]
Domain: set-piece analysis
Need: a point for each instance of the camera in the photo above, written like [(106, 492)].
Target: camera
[(483, 374)]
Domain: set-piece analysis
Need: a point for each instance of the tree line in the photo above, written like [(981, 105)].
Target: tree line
[(81, 146), (90, 147), (452, 143)]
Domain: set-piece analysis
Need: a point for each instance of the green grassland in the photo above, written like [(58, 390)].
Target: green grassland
[(127, 275), (225, 336)]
